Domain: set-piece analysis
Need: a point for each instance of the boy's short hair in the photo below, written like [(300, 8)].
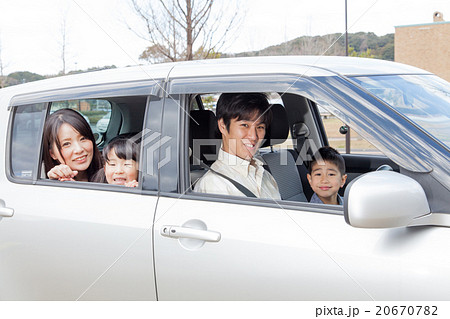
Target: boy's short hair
[(328, 154), (243, 106)]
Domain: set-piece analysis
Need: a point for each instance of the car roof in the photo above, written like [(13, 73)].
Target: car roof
[(347, 66), (297, 65)]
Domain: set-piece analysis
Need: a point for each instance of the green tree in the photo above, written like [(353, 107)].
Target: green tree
[(22, 77), (387, 52), (364, 54)]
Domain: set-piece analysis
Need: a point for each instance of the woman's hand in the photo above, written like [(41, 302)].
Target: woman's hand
[(133, 183), (62, 172)]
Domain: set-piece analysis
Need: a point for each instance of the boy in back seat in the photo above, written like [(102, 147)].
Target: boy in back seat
[(326, 176)]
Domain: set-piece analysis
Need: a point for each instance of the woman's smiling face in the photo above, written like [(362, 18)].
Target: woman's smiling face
[(76, 150)]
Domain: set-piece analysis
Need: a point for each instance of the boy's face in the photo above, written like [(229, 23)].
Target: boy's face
[(120, 171), (326, 180), (244, 137)]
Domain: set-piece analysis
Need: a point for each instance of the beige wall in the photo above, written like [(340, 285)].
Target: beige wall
[(425, 46)]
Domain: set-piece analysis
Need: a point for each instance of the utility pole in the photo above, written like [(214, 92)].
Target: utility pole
[(346, 33), (347, 136)]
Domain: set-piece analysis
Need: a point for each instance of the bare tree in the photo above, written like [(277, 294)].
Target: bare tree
[(183, 29), (63, 42), (2, 66)]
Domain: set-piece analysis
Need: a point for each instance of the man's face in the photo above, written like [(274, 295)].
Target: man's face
[(244, 137)]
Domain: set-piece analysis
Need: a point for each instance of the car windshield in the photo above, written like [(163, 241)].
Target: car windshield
[(425, 99)]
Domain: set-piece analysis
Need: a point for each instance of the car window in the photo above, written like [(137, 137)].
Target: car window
[(97, 112), (277, 153), (209, 101), (421, 98), (337, 132), (109, 119), (25, 139), (124, 117), (292, 142)]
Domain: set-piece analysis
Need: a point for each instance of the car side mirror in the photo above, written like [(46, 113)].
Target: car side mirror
[(343, 129), (384, 199)]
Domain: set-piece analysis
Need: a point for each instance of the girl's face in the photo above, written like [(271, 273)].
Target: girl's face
[(119, 171), (76, 151)]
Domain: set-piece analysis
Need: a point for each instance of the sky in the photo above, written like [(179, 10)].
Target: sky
[(97, 32)]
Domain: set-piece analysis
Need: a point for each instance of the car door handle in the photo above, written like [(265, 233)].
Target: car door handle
[(185, 232), (6, 212)]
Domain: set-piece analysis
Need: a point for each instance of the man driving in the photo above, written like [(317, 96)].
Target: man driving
[(243, 119)]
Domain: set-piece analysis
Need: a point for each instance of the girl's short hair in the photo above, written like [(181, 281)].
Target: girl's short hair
[(124, 147), (78, 122)]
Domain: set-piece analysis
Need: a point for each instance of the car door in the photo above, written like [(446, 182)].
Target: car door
[(212, 247), (74, 240)]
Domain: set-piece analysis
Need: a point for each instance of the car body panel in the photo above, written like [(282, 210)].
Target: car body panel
[(300, 254), (282, 254), (67, 241), (67, 249), (82, 241)]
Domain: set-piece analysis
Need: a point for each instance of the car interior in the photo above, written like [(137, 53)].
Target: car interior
[(127, 117), (295, 133)]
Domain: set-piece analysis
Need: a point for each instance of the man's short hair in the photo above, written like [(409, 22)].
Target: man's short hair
[(328, 154), (243, 106)]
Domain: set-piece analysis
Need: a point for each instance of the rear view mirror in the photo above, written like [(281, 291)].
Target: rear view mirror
[(384, 199)]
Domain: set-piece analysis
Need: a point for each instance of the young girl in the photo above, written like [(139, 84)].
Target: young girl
[(70, 152), (121, 163)]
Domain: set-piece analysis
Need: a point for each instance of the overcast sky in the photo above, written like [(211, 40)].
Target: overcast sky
[(97, 35)]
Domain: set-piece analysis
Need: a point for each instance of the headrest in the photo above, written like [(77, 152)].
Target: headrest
[(203, 125), (203, 129), (279, 128)]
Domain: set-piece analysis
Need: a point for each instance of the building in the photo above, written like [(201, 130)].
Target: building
[(426, 45)]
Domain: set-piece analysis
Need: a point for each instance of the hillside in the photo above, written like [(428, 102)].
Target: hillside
[(366, 44), (331, 44)]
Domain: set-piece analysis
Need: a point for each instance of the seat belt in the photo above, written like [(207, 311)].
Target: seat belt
[(239, 186), (300, 132)]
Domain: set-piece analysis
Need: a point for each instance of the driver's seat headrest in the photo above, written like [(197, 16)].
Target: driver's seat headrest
[(279, 128), (204, 138)]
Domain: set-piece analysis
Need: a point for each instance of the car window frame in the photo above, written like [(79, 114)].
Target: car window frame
[(323, 90), (150, 88), (8, 147), (180, 92)]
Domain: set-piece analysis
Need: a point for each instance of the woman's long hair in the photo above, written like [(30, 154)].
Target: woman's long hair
[(77, 121)]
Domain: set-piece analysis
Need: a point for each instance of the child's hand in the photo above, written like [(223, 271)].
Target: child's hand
[(133, 183), (62, 172)]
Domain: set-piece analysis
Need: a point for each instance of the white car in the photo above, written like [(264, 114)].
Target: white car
[(162, 241)]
